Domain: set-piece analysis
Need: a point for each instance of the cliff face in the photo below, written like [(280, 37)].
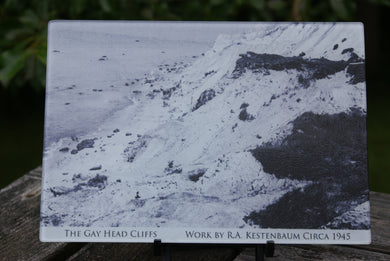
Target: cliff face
[(264, 122)]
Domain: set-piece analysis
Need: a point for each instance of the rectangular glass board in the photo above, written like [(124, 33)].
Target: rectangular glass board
[(205, 132)]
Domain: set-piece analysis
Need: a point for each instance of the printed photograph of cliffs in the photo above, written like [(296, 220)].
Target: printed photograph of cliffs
[(205, 125)]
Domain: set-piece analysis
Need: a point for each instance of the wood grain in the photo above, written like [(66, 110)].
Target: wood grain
[(379, 249), (316, 252), (144, 252), (19, 222), (19, 236)]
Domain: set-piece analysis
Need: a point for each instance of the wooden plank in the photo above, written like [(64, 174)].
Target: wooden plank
[(19, 233), (19, 222), (19, 236), (114, 251), (141, 252), (379, 249), (380, 222), (315, 252)]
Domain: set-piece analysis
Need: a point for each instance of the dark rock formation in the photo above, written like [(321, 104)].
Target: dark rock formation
[(195, 175), (313, 69), (317, 68), (357, 72), (209, 73), (204, 97), (103, 58), (168, 92), (87, 143), (347, 50), (244, 115), (96, 168), (135, 147), (311, 208), (319, 146), (99, 181), (55, 220), (244, 105), (172, 168), (330, 151)]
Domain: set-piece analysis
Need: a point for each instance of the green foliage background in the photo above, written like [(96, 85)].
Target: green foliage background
[(23, 28), (24, 23)]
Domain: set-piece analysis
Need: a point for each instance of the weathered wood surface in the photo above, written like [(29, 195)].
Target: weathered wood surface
[(379, 249), (19, 236), (19, 222)]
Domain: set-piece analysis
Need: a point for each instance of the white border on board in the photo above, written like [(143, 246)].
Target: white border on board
[(183, 235)]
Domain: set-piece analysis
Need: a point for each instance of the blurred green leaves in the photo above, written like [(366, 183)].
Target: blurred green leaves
[(23, 46), (23, 28), (24, 23), (13, 61), (381, 2)]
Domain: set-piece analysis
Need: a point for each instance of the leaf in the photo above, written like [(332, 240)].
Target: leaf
[(29, 19), (75, 8), (17, 33), (381, 2), (13, 62), (343, 8), (41, 53), (104, 4)]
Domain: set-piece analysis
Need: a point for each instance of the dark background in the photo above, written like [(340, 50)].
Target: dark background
[(23, 28)]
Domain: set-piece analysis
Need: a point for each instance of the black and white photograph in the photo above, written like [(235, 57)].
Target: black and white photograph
[(214, 132)]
